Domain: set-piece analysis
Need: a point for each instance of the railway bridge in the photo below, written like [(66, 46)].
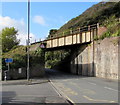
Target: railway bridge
[(72, 38), (87, 57), (75, 40)]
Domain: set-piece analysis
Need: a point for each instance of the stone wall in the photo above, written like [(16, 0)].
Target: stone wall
[(38, 70), (98, 59), (15, 74), (35, 71)]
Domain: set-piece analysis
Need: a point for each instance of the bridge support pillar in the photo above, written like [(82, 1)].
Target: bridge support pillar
[(82, 60)]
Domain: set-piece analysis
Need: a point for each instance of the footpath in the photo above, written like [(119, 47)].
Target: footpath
[(50, 97), (25, 81)]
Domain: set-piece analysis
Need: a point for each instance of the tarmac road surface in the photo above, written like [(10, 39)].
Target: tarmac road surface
[(43, 93), (81, 89)]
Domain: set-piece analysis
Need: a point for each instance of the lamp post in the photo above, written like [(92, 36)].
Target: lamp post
[(28, 56)]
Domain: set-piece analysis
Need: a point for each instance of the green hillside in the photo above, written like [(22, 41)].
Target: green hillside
[(103, 13), (96, 14)]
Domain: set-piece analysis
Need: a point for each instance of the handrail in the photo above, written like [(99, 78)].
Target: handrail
[(75, 31)]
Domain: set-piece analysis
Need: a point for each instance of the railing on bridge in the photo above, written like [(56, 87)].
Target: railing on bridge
[(76, 36)]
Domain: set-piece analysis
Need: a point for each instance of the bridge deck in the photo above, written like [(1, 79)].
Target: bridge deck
[(78, 36)]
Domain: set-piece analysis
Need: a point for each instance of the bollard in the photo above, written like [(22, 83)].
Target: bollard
[(5, 78)]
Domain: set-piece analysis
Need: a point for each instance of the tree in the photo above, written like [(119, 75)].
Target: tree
[(52, 31), (9, 38)]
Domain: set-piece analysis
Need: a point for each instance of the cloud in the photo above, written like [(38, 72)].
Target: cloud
[(19, 25), (24, 37), (40, 20), (9, 22)]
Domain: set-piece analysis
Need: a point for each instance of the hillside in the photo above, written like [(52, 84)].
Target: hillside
[(102, 13), (96, 14)]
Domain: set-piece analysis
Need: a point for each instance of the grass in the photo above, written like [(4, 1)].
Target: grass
[(113, 28)]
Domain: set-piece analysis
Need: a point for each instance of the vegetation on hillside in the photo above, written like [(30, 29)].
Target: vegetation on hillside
[(54, 57), (100, 13), (96, 14), (19, 56), (113, 28)]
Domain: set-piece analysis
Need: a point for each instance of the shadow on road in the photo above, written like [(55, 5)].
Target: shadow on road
[(65, 75), (8, 96), (62, 75)]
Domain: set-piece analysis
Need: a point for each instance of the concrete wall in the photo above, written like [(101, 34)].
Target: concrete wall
[(38, 70), (15, 74), (35, 71), (97, 59)]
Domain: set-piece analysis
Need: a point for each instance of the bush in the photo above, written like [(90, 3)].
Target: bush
[(19, 56), (53, 58)]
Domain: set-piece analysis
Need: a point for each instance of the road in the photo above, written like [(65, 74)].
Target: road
[(81, 89), (77, 89), (34, 94)]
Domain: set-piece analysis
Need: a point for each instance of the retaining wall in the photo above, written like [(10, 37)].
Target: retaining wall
[(98, 59)]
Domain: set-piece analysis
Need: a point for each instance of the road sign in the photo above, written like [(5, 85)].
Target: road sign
[(42, 46), (8, 60)]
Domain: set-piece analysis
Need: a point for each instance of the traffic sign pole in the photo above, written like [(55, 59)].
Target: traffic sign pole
[(8, 67)]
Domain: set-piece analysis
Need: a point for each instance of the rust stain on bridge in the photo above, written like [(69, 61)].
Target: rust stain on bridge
[(78, 36)]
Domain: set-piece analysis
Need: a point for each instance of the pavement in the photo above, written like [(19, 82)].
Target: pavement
[(26, 82), (37, 91)]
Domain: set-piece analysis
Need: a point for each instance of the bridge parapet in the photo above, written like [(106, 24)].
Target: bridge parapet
[(77, 36)]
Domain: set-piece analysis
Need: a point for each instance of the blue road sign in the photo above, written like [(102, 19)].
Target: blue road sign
[(8, 60)]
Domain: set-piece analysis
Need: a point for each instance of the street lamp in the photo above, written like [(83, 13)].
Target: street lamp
[(28, 55)]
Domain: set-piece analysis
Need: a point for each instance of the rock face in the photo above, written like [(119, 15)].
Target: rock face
[(99, 59)]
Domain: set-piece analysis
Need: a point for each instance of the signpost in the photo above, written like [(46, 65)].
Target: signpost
[(8, 61)]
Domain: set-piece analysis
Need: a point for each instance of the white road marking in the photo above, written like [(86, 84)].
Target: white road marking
[(97, 100), (111, 89), (91, 83)]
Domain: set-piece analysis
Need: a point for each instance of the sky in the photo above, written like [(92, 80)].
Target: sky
[(43, 17)]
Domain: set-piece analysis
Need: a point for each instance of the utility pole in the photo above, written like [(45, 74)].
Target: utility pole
[(28, 55)]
